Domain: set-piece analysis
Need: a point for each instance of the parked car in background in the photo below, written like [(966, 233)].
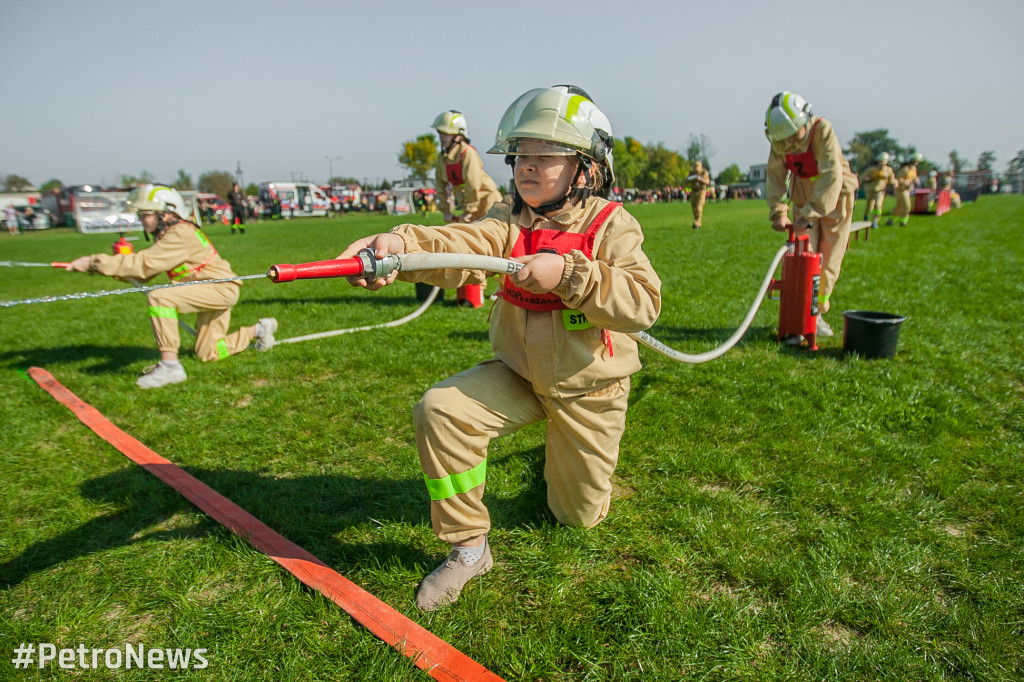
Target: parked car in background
[(34, 217), (212, 208)]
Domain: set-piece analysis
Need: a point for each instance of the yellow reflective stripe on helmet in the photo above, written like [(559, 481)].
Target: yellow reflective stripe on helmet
[(163, 311), (222, 349), (785, 105), (449, 486), (573, 107), (152, 192)]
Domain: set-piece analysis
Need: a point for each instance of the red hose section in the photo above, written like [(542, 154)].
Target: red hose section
[(428, 652)]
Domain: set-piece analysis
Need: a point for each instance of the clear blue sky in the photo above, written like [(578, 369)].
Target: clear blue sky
[(95, 90)]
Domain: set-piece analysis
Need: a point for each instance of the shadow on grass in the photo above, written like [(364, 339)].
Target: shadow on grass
[(110, 359), (311, 511), (669, 335)]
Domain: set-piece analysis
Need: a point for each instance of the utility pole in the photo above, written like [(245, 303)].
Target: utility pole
[(330, 166), (238, 174)]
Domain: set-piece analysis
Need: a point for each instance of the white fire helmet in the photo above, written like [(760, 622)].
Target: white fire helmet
[(450, 122), (159, 198), (883, 157), (786, 114), (564, 120)]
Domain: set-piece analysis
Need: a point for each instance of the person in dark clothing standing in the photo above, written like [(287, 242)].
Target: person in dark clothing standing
[(236, 197)]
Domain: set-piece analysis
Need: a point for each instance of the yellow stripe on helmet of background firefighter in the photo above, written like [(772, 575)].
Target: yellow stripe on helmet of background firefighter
[(785, 105)]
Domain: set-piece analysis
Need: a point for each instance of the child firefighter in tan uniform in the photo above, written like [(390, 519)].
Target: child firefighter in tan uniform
[(472, 189), (874, 181), (583, 257), (906, 177), (698, 182), (186, 255), (806, 150)]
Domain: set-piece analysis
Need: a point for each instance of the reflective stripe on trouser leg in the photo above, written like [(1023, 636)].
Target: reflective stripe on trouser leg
[(164, 319), (455, 421), (212, 303), (581, 452)]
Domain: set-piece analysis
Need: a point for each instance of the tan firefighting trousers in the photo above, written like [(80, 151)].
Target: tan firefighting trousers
[(829, 237), (213, 303), (457, 418), (697, 199), (874, 205), (902, 209)]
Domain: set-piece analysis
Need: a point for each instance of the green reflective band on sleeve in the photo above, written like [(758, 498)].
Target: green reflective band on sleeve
[(222, 349), (202, 238), (163, 311), (574, 319), (179, 271), (449, 486)]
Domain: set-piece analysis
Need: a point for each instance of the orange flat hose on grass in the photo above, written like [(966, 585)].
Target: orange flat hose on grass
[(429, 652)]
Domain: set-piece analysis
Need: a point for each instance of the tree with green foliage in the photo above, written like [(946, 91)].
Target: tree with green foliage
[(731, 175), (251, 189), (135, 180), (16, 183), (216, 182), (956, 164), (865, 147), (419, 156), (183, 181), (50, 185), (337, 180), (630, 161), (665, 168), (986, 161), (700, 149), (1016, 164)]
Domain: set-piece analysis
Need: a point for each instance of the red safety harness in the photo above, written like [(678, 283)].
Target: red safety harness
[(804, 165), (454, 171), (541, 240)]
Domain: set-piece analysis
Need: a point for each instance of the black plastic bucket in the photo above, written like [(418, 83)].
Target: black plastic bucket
[(871, 334)]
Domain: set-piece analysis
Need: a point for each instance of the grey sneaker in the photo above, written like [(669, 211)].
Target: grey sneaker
[(793, 340), (160, 374), (265, 333), (823, 328), (444, 585)]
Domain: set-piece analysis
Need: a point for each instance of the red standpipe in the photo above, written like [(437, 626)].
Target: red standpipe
[(798, 291), (344, 267)]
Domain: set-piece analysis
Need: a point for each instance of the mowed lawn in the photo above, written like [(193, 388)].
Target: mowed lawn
[(778, 514)]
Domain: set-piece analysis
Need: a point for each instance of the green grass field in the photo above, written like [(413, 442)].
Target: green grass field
[(778, 514)]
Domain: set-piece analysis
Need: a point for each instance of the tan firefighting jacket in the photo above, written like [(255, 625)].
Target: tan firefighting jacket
[(813, 198), (876, 178), (477, 193), (182, 251), (618, 291), (906, 176), (698, 182)]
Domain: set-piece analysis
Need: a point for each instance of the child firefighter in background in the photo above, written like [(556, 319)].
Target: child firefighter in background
[(472, 189), (906, 179), (562, 355), (182, 251), (874, 181), (698, 182), (806, 150)]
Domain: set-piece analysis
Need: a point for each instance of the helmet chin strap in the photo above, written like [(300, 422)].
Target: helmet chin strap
[(581, 192)]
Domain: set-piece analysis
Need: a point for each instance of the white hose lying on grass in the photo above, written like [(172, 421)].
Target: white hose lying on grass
[(394, 323), (456, 261)]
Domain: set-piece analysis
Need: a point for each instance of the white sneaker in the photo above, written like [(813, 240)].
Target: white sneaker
[(265, 333), (160, 374), (823, 328)]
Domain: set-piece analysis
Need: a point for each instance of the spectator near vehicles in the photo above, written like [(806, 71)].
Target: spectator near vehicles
[(293, 199)]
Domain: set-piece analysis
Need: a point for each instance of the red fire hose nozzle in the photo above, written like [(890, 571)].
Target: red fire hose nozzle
[(364, 264), (58, 264)]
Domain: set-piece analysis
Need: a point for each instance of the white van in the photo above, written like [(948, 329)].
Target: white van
[(292, 199)]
